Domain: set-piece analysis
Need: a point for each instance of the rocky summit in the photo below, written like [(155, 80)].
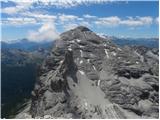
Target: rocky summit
[(87, 76)]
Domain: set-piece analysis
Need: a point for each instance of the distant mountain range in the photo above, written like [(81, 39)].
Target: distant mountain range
[(25, 44), (147, 42)]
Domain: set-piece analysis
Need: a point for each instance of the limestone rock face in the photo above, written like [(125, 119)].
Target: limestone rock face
[(86, 76)]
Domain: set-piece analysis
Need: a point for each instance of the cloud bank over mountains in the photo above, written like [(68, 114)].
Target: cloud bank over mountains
[(46, 32)]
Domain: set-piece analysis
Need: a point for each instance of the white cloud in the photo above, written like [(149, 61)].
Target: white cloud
[(11, 10), (18, 21), (109, 21), (39, 15), (130, 21), (85, 23), (70, 26), (80, 19), (23, 10), (64, 17), (29, 18), (47, 32), (157, 20), (72, 3), (59, 3), (89, 16), (19, 7), (138, 21), (146, 20)]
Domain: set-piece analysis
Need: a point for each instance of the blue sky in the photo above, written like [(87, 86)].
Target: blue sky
[(41, 20)]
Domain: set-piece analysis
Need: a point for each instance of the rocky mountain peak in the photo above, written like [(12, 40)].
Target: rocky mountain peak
[(80, 32), (87, 76), (82, 28), (68, 62)]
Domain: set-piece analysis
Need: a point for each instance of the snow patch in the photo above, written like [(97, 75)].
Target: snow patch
[(69, 49), (27, 116), (47, 116), (81, 62), (91, 55), (98, 82), (81, 72), (78, 40), (141, 57), (88, 60), (81, 46), (119, 49), (72, 41), (61, 61), (128, 62), (114, 54), (106, 53), (81, 53), (85, 103), (94, 67), (102, 36), (105, 44)]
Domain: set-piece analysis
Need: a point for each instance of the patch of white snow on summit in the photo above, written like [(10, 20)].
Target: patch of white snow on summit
[(101, 35)]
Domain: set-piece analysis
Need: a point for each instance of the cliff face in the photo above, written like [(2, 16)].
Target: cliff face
[(87, 76)]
